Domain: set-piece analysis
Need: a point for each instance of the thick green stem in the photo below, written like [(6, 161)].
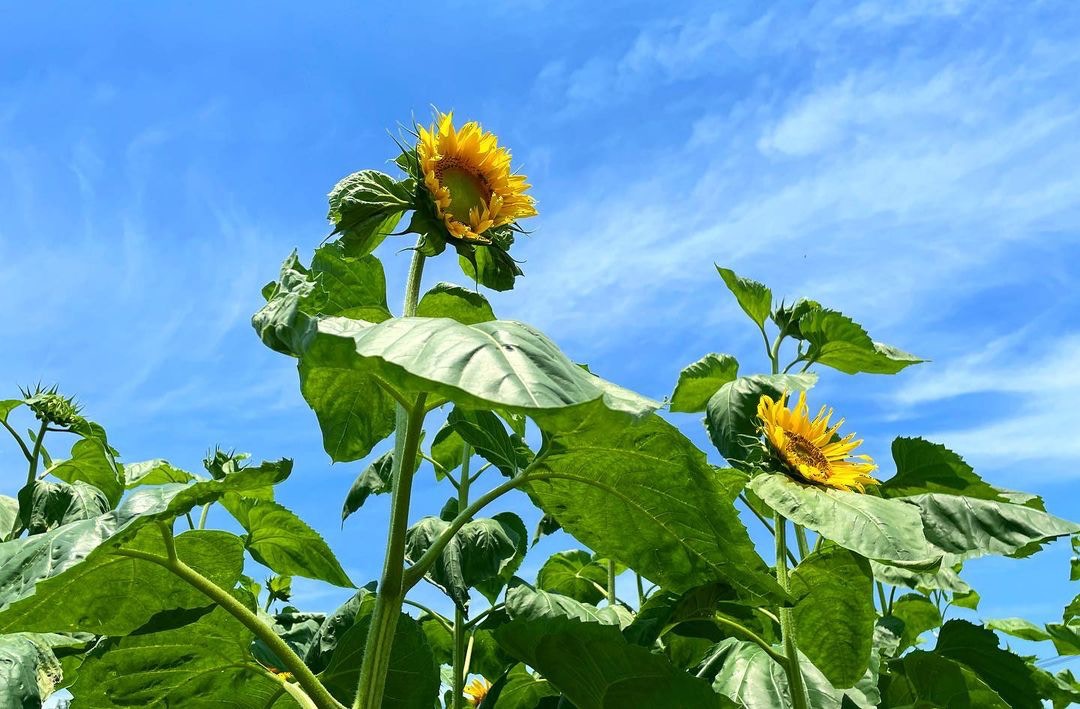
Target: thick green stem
[(391, 590), (202, 516), (458, 698), (881, 598), (799, 697), (317, 693)]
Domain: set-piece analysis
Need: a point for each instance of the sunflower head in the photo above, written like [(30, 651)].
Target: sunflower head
[(49, 406), (810, 449), (469, 179), (476, 690)]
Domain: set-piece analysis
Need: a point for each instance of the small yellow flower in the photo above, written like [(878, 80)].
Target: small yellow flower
[(469, 178), (810, 448), (476, 690)]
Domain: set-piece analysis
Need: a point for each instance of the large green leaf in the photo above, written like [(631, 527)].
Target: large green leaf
[(731, 414), (326, 639), (1019, 628), (110, 594), (969, 527), (976, 647), (944, 578), (576, 573), (839, 342), (924, 679), (25, 562), (198, 658), (750, 677), (281, 541), (412, 681), (154, 472), (9, 511), (353, 411), (754, 298), (525, 603), (922, 466), (480, 550), (366, 206), (834, 613), (521, 689), (447, 300), (597, 668), (92, 462), (887, 530), (53, 504), (700, 380), (644, 495), (512, 525), (29, 670), (918, 614)]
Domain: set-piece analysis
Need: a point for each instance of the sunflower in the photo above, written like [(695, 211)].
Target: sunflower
[(477, 690), (469, 178), (811, 449)]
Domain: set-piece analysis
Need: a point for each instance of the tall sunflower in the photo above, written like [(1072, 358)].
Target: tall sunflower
[(476, 690), (469, 178), (811, 449)]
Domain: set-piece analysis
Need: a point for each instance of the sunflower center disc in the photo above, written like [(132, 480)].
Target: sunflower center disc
[(466, 191), (803, 451)]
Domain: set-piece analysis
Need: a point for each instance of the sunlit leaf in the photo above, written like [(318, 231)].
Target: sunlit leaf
[(919, 615), (576, 573), (700, 380), (154, 472), (977, 648), (931, 680), (366, 206), (754, 298), (92, 462), (731, 414), (446, 300), (839, 342), (922, 466)]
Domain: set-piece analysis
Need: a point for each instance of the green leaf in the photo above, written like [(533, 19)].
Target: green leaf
[(297, 629), (154, 472), (525, 603), (753, 679), (326, 640), (576, 573), (839, 342), (92, 462), (596, 668), (412, 681), (754, 298), (480, 550), (922, 466), (54, 504), (485, 432), (9, 511), (1065, 636), (491, 365), (731, 414), (447, 300), (278, 539), (366, 206), (188, 659), (923, 679), (27, 561), (29, 670), (700, 380), (944, 578), (490, 266), (447, 450), (7, 406), (968, 527), (834, 613), (644, 495), (918, 614), (1019, 628), (376, 479), (521, 689), (110, 594), (491, 587), (977, 648), (353, 411), (889, 530)]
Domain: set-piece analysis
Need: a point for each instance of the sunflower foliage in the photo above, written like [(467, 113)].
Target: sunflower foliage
[(134, 583)]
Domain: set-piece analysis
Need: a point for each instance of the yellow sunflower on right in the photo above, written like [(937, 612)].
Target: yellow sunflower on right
[(476, 690), (469, 178), (811, 449)]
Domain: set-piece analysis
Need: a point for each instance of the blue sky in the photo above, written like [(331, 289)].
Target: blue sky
[(912, 164)]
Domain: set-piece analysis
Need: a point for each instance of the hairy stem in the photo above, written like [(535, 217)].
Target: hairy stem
[(611, 599), (740, 629), (799, 697), (800, 538), (202, 516), (391, 590), (318, 694)]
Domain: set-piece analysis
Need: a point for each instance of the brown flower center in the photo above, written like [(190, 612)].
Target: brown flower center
[(799, 450)]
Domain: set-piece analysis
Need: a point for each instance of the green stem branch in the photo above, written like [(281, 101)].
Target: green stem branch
[(611, 599), (800, 538), (799, 697), (18, 439), (318, 694)]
